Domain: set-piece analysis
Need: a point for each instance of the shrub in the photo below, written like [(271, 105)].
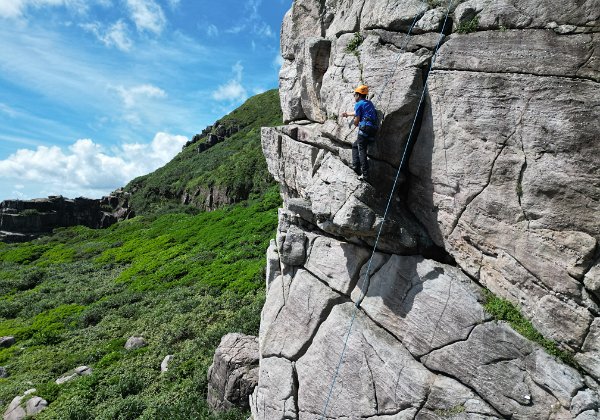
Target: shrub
[(31, 278), (468, 26), (29, 212), (355, 42)]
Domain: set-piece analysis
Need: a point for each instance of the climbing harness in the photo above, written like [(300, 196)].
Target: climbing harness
[(366, 279)]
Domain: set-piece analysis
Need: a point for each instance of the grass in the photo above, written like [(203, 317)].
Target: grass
[(504, 310), (182, 281)]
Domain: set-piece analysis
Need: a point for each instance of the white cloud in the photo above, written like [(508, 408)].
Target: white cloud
[(12, 9), (238, 70), (262, 29), (174, 4), (131, 96), (84, 168), (236, 29), (5, 109), (252, 6), (212, 30), (233, 90), (147, 15), (116, 35)]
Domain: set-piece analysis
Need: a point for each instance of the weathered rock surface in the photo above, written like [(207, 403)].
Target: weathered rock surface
[(3, 372), (77, 372), (7, 341), (135, 342), (373, 383), (495, 181), (275, 395), (25, 220), (21, 408), (503, 180), (234, 373), (307, 302), (424, 304)]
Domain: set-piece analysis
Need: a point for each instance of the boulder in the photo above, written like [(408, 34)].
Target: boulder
[(77, 372), (135, 342), (164, 365), (233, 374), (21, 408), (7, 341), (3, 372)]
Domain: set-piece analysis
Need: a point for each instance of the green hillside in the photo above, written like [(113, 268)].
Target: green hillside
[(181, 281), (235, 166), (179, 277)]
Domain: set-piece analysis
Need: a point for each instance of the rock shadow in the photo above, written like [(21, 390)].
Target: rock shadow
[(418, 189)]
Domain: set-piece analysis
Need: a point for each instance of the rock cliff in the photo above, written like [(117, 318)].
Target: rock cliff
[(23, 220), (500, 190)]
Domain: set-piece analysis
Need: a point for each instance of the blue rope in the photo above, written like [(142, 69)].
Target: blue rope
[(367, 280)]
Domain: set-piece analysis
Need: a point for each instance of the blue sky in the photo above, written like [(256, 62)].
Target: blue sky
[(96, 92)]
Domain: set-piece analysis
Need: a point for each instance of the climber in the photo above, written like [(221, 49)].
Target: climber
[(365, 118)]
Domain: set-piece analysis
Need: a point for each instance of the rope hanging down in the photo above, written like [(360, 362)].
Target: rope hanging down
[(366, 280)]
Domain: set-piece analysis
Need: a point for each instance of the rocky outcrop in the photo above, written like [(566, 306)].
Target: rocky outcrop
[(212, 197), (74, 374), (212, 135), (499, 189), (135, 342), (7, 341), (233, 373), (23, 220), (24, 406)]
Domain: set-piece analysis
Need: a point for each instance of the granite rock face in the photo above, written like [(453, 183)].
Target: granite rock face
[(375, 304), (234, 373)]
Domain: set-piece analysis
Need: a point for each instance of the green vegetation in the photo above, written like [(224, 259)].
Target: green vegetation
[(503, 310), (181, 281), (236, 166), (445, 3), (354, 43), (451, 412), (29, 212), (468, 26)]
